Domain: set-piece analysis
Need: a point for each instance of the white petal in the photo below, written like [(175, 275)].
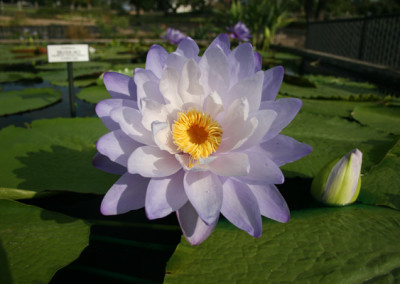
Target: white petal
[(156, 58), (193, 228), (271, 203), (176, 61), (214, 68), (165, 196), (127, 194), (189, 86), (117, 146), (129, 120), (147, 86), (241, 61), (240, 207), (250, 88), (149, 161), (204, 190), (231, 164), (104, 108), (152, 111), (169, 87), (162, 136), (213, 105)]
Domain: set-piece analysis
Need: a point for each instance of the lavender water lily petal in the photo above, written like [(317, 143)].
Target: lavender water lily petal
[(199, 136), (240, 32)]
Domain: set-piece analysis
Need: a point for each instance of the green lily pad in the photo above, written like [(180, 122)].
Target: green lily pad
[(328, 87), (81, 83), (93, 94), (380, 117), (332, 108), (332, 137), (76, 66), (53, 154), (8, 77), (35, 243), (13, 102), (352, 244), (381, 185)]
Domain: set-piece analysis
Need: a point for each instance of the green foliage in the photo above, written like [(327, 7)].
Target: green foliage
[(321, 245), (93, 94), (53, 154), (35, 243), (13, 102), (8, 77)]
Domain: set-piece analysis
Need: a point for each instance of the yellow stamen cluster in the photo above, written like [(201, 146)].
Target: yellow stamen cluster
[(196, 134)]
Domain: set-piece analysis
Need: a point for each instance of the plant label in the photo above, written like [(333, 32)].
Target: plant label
[(68, 53)]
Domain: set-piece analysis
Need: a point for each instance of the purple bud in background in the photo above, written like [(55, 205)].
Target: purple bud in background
[(240, 32), (174, 36)]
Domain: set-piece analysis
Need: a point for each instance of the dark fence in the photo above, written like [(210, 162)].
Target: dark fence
[(372, 39), (47, 32)]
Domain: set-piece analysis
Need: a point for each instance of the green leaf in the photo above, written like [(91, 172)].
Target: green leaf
[(53, 154), (12, 193), (325, 245), (332, 88), (8, 77), (332, 108), (93, 94), (35, 243), (76, 66), (333, 137), (381, 185), (386, 118), (13, 102)]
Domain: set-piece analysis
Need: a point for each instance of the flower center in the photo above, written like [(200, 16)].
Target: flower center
[(196, 134)]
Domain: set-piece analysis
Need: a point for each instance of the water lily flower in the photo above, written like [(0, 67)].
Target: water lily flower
[(199, 136), (339, 182), (240, 32), (174, 36)]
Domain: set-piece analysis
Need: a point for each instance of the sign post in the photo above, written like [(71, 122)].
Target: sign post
[(69, 53)]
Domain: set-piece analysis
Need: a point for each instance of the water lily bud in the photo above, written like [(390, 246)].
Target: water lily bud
[(339, 182)]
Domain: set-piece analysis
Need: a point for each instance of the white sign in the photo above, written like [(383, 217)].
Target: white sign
[(68, 53)]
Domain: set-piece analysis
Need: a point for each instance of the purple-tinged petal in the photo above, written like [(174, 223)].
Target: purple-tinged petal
[(128, 193), (286, 109), (230, 164), (152, 111), (262, 170), (120, 86), (257, 61), (272, 82), (223, 42), (165, 195), (271, 203), (188, 48), (162, 136), (176, 61), (250, 88), (130, 121), (193, 228), (241, 61), (240, 207), (204, 190), (214, 68), (104, 108), (169, 87), (213, 104), (105, 164), (117, 146), (284, 149), (149, 161), (156, 58), (147, 86)]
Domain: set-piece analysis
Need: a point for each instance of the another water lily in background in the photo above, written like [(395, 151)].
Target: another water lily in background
[(240, 32), (199, 136), (174, 36), (339, 182)]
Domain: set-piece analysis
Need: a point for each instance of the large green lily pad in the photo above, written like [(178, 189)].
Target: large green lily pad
[(327, 87), (13, 102), (35, 243), (381, 185), (326, 245), (94, 94), (53, 154), (8, 77)]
